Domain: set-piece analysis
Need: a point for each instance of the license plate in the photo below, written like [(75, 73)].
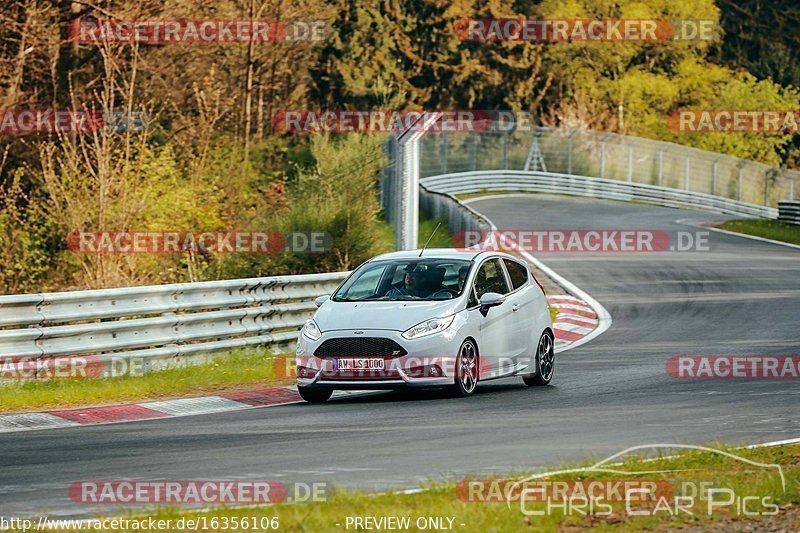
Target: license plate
[(360, 364)]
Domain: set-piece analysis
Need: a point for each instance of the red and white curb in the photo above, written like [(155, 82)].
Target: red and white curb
[(574, 322), (92, 416)]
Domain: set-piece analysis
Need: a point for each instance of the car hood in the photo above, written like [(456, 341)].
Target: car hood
[(397, 316)]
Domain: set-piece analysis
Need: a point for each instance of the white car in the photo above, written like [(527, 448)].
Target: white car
[(437, 318)]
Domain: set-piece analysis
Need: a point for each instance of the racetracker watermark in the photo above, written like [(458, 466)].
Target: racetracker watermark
[(138, 492), (582, 241), (381, 121), (25, 121), (70, 367), (119, 121), (734, 366), (28, 121), (204, 242), (395, 367), (585, 30), (92, 31), (540, 490), (202, 522), (734, 121), (194, 492), (377, 367)]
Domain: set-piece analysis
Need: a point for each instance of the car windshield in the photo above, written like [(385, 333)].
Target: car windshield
[(406, 279)]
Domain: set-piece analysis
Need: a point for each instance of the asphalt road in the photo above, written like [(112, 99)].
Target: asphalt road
[(741, 297)]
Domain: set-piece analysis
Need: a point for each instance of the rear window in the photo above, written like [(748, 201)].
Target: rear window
[(517, 272)]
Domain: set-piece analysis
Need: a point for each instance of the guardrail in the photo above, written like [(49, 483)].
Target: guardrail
[(789, 212), (459, 217), (161, 323), (549, 182)]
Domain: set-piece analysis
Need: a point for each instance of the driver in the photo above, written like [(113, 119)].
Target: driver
[(412, 285)]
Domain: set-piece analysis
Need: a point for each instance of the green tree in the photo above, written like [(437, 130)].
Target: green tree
[(410, 53)]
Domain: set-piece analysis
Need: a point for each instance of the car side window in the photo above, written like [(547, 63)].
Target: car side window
[(490, 278), (517, 272)]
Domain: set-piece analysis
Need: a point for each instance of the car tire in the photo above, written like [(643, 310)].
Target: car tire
[(314, 395), (466, 369), (545, 362)]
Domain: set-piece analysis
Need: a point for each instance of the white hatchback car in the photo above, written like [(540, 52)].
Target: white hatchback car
[(438, 318)]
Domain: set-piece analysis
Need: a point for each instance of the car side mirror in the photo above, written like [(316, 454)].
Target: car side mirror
[(321, 299), (489, 300)]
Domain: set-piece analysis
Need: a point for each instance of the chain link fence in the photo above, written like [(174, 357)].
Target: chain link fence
[(610, 156), (583, 153)]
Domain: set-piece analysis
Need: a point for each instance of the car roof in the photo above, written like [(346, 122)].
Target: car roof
[(441, 253)]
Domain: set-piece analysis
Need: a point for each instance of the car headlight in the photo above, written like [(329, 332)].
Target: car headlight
[(311, 330), (429, 327)]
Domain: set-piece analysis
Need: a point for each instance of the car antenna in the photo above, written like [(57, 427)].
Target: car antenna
[(429, 238)]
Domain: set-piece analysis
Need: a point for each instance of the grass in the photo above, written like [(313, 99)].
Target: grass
[(243, 368), (385, 236), (442, 239), (768, 229), (441, 500)]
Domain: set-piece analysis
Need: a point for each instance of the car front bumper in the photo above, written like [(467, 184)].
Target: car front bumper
[(429, 362)]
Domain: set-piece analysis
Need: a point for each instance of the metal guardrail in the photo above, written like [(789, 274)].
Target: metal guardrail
[(548, 182), (459, 217), (161, 323), (789, 212)]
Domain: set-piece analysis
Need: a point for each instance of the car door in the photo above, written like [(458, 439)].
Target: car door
[(525, 308), (496, 346)]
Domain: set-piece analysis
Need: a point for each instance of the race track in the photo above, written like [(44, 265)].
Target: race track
[(741, 297)]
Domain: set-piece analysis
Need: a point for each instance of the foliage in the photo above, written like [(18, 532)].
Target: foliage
[(336, 196), (418, 59), (761, 37), (25, 257)]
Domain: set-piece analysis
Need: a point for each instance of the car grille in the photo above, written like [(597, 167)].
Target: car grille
[(360, 347)]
